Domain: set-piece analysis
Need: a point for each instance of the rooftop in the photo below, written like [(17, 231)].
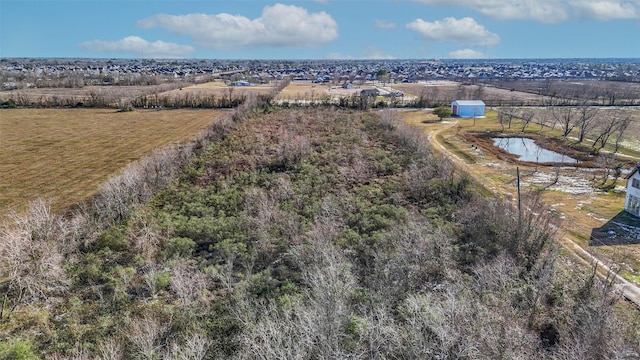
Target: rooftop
[(469, 102)]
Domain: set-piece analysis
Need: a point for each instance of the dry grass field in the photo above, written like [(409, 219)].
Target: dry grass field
[(218, 89), (307, 90), (626, 93), (65, 154), (445, 91)]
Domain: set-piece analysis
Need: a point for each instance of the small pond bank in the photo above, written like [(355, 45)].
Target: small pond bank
[(530, 149), (527, 150)]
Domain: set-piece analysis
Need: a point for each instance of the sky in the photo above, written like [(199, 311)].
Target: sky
[(320, 29)]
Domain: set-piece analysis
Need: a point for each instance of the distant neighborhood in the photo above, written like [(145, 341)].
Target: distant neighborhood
[(23, 73)]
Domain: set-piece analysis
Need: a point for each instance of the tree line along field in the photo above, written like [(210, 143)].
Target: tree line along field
[(174, 94), (305, 233), (63, 155)]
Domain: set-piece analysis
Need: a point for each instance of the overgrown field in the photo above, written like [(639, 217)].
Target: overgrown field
[(308, 234), (64, 154)]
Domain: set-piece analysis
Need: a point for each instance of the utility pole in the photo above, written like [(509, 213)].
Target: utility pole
[(519, 199)]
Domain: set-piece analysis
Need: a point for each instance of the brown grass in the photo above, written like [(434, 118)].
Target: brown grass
[(65, 154), (445, 91), (218, 89), (307, 90)]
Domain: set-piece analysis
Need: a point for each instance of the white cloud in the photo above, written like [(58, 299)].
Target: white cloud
[(279, 25), (140, 47), (385, 25), (548, 11), (606, 10), (467, 54), (465, 31)]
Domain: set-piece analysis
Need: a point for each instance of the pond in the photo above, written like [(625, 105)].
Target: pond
[(528, 150)]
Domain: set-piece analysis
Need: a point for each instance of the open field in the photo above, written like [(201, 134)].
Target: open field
[(444, 91), (608, 92), (65, 154), (218, 89), (307, 90), (577, 203)]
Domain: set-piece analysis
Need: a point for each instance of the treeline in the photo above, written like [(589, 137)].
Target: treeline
[(117, 98), (300, 233), (593, 129), (79, 79), (562, 93), (188, 100)]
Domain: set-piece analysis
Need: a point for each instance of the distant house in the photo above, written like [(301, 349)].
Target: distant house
[(369, 92), (632, 202), (467, 108), (240, 83)]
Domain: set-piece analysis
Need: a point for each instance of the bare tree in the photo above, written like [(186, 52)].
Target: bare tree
[(146, 336), (605, 162), (110, 349), (605, 129), (619, 132), (526, 117), (564, 115), (506, 116), (194, 346), (188, 283), (585, 120), (31, 260)]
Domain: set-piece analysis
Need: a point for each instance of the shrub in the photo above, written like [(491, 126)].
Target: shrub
[(9, 104), (17, 349), (179, 247)]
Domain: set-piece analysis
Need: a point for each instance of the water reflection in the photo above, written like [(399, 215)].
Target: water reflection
[(527, 150)]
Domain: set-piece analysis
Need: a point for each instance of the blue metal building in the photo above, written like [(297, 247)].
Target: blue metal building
[(467, 108)]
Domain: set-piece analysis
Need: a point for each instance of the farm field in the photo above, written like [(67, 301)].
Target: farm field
[(618, 92), (307, 90), (63, 155), (444, 91), (218, 89)]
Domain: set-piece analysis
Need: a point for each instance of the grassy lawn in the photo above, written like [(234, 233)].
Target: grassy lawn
[(64, 154)]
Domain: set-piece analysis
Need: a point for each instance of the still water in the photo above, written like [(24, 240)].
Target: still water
[(527, 150)]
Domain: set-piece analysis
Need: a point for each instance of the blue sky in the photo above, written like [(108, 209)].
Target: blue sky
[(320, 29)]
